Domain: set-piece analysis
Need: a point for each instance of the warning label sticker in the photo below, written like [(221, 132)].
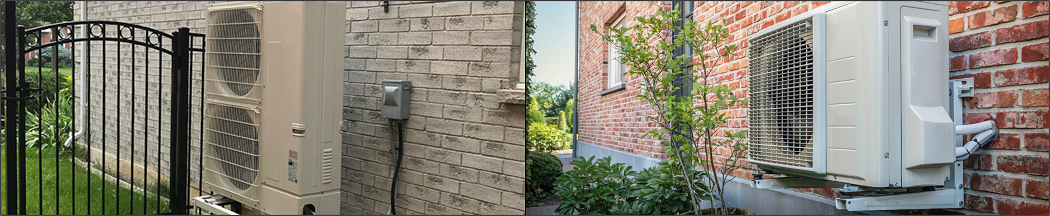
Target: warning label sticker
[(293, 166)]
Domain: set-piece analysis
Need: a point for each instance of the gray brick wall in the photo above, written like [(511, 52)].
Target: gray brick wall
[(151, 130), (464, 150)]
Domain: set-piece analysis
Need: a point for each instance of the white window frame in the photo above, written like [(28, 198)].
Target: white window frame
[(524, 49), (616, 69)]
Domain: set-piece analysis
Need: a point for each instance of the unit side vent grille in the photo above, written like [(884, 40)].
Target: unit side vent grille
[(232, 139), (326, 166), (234, 52), (781, 96)]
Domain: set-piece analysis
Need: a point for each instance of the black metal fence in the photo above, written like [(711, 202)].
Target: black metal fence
[(129, 150)]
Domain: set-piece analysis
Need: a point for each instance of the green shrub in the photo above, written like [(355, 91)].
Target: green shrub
[(569, 107), (541, 169), (662, 190), (533, 114), (531, 194), (45, 54), (594, 187), (561, 122), (32, 62), (545, 169), (543, 137), (62, 63), (602, 187), (535, 117), (49, 84)]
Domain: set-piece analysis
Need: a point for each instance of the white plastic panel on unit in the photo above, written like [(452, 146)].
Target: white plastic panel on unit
[(927, 130), (852, 94)]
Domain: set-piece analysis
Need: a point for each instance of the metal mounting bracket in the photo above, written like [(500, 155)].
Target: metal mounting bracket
[(941, 198), (213, 204), (949, 196), (794, 182), (957, 90)]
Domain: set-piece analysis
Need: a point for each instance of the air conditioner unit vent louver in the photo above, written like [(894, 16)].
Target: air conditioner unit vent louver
[(781, 96), (234, 141), (234, 50)]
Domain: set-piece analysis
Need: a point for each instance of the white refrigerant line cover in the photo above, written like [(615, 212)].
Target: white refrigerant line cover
[(854, 92), (273, 75)]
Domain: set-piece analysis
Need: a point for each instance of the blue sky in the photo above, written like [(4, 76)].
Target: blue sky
[(555, 42)]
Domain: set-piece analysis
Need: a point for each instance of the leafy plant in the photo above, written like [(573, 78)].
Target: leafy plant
[(53, 125), (690, 132), (543, 137), (541, 171), (530, 29), (594, 187), (661, 190)]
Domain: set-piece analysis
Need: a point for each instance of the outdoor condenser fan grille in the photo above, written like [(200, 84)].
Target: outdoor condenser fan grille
[(781, 96), (233, 49), (233, 139)]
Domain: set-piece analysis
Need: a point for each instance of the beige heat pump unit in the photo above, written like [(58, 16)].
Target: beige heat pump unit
[(273, 74)]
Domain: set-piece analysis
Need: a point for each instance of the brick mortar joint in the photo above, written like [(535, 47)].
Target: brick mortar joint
[(1018, 20), (1016, 65), (992, 5), (1022, 152), (997, 197), (1016, 88), (388, 163), (437, 132), (998, 173), (993, 32)]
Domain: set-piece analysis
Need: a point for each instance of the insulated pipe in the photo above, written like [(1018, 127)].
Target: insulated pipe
[(974, 128), (981, 139), (83, 79)]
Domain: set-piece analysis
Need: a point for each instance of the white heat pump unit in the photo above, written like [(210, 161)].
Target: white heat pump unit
[(273, 75), (855, 93)]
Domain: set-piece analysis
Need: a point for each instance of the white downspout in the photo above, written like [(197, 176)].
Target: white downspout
[(83, 79)]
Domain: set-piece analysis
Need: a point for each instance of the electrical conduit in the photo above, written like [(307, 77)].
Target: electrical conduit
[(398, 152)]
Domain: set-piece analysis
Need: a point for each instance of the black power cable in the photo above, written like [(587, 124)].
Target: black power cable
[(398, 149)]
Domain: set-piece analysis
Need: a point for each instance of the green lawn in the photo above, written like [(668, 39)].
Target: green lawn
[(63, 71), (65, 197)]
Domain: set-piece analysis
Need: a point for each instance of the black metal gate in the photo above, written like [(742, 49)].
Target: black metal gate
[(131, 151)]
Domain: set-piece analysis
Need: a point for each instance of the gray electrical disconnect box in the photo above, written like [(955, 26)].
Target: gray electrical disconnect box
[(395, 99)]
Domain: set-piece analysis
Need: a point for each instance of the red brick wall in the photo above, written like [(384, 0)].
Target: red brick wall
[(1003, 45), (616, 120)]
